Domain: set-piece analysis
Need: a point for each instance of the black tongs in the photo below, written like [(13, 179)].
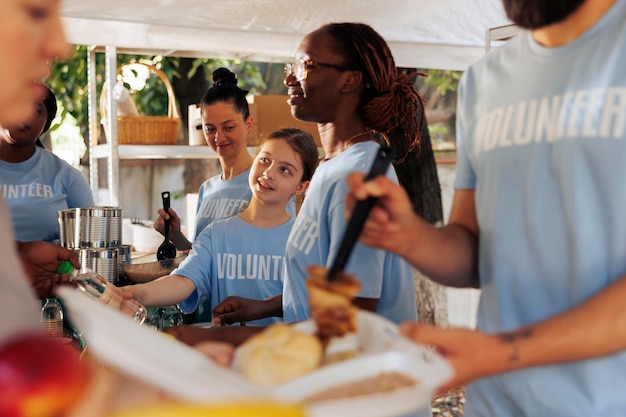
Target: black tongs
[(359, 215)]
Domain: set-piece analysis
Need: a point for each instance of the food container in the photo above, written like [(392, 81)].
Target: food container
[(117, 341), (151, 356), (147, 268), (99, 227), (382, 351)]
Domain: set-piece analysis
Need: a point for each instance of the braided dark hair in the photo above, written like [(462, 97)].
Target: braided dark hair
[(390, 103), (225, 90)]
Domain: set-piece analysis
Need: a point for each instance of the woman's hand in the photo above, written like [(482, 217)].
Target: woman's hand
[(233, 309), (238, 309), (41, 261), (176, 235), (159, 223)]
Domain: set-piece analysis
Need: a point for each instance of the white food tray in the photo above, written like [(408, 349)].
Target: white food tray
[(183, 372), (382, 349), (151, 356)]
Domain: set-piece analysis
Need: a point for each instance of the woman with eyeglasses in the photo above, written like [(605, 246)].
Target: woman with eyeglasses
[(344, 78)]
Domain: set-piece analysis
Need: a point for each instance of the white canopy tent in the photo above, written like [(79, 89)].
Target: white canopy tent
[(444, 34)]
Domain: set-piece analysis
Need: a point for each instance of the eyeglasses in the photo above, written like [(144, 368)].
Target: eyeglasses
[(300, 68)]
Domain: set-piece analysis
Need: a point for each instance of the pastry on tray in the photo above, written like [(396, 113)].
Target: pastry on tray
[(331, 302)]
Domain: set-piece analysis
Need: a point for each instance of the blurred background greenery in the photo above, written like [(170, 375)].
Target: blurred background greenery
[(190, 77)]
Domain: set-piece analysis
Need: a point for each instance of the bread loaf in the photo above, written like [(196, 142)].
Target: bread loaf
[(278, 354)]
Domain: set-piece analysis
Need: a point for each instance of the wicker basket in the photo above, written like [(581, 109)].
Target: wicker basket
[(149, 130)]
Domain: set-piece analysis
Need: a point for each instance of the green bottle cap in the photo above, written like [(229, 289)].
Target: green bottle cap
[(65, 268)]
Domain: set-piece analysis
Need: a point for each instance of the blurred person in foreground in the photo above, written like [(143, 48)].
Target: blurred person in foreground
[(538, 221), (31, 36)]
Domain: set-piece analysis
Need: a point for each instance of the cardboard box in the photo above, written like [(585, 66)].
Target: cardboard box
[(271, 112)]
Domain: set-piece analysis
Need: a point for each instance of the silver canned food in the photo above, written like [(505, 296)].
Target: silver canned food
[(68, 236), (102, 261), (100, 227)]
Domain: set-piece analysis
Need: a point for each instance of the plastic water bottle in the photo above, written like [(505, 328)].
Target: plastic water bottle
[(52, 317), (100, 289), (170, 317), (153, 319)]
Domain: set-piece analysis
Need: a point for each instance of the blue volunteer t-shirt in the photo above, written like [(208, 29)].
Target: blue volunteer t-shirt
[(36, 189), (219, 199), (233, 257), (317, 234), (542, 141)]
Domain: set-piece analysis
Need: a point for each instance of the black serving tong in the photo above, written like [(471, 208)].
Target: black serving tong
[(167, 250), (359, 215)]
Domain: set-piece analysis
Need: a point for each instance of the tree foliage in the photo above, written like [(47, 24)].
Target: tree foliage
[(444, 80), (68, 80)]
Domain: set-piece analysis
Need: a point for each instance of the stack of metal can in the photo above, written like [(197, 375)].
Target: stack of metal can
[(96, 234)]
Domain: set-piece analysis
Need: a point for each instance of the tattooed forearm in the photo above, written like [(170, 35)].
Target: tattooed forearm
[(512, 338)]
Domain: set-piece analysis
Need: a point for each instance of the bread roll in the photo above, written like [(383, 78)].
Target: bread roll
[(278, 354)]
